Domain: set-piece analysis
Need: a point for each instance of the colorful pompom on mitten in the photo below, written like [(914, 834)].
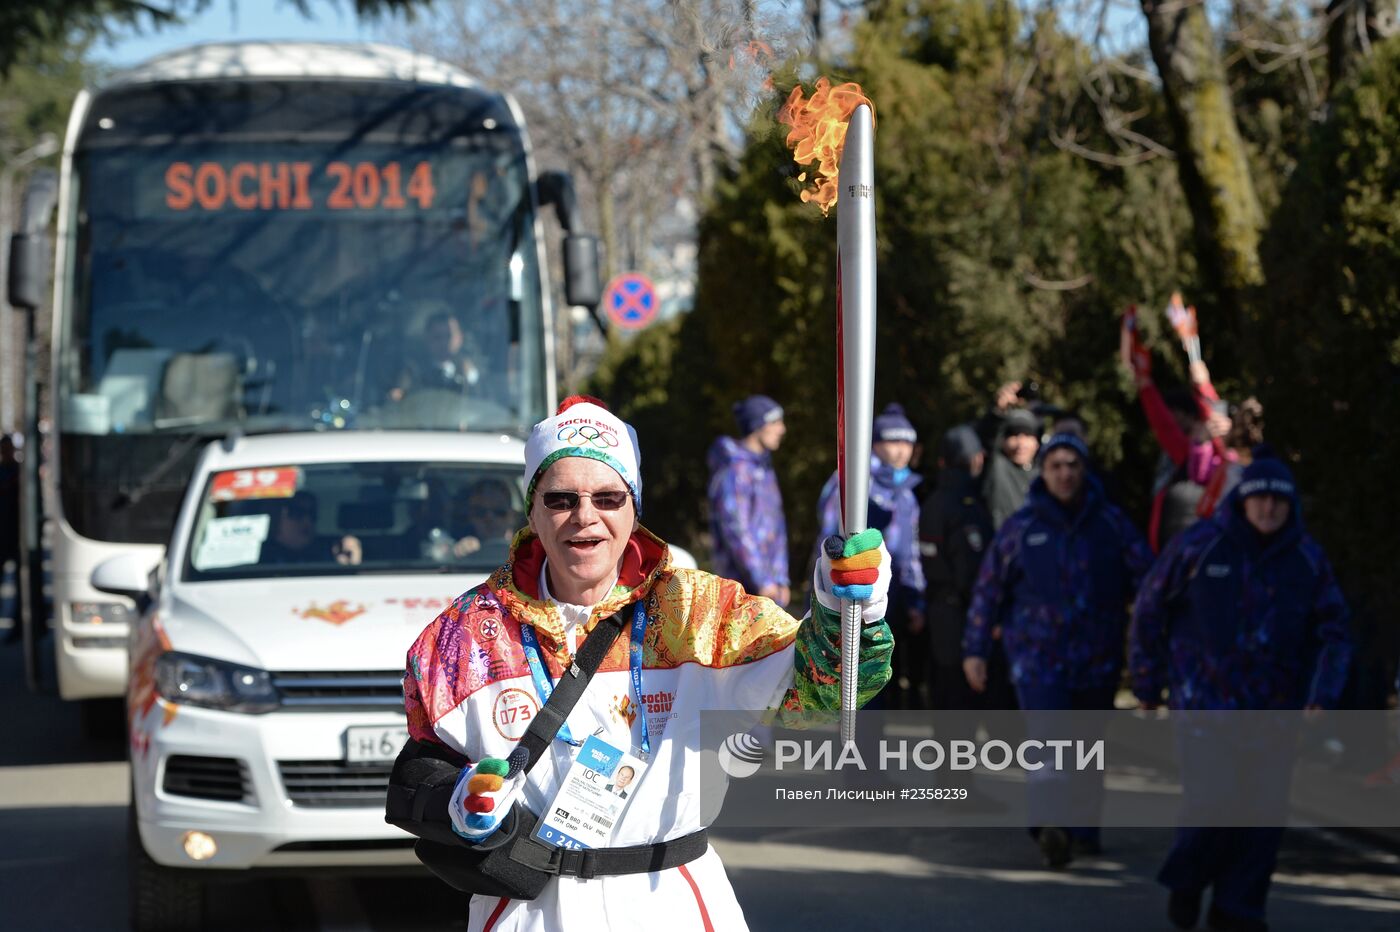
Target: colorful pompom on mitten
[(484, 795), (857, 569)]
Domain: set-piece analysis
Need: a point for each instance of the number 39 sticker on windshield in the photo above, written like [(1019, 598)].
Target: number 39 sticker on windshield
[(240, 484)]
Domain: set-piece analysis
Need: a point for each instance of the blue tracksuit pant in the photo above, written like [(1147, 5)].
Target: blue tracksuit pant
[(1050, 794)]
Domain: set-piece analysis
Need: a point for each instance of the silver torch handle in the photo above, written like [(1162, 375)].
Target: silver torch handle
[(855, 313)]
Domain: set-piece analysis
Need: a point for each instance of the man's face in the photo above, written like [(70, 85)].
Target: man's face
[(444, 337), (583, 544), (1063, 472), (893, 453), (1021, 448), (296, 524), (975, 463), (624, 777), (1267, 513), (770, 436), (490, 513)]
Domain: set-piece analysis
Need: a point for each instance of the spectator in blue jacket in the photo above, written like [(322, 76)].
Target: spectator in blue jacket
[(746, 506), (894, 509), (1240, 612), (1058, 579)]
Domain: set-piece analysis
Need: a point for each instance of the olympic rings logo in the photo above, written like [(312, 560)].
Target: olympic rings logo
[(587, 436)]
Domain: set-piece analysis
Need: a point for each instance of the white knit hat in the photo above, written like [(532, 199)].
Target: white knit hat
[(583, 427)]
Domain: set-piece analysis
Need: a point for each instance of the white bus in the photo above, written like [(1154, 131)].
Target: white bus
[(263, 237)]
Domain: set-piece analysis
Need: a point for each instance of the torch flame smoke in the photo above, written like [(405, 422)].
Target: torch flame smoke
[(818, 134)]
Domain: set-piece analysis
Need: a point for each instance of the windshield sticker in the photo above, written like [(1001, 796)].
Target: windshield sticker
[(337, 613), (235, 541), (243, 484)]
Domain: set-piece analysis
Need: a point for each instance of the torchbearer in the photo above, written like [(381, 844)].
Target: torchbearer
[(584, 662)]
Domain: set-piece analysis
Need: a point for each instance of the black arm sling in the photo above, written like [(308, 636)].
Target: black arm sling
[(511, 862)]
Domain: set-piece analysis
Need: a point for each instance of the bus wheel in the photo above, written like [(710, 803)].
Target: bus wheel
[(163, 899)]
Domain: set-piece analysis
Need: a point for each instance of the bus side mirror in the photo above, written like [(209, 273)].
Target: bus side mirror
[(29, 246), (582, 269), (582, 287)]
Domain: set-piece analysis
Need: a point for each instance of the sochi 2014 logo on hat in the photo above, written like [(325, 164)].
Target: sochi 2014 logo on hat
[(741, 755)]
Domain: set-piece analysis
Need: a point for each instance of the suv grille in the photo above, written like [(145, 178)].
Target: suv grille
[(220, 778), (335, 784), (368, 691)]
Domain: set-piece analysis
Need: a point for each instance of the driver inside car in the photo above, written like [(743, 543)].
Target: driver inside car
[(294, 539), (442, 360)]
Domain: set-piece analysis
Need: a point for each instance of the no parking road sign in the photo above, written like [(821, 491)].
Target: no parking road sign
[(631, 301)]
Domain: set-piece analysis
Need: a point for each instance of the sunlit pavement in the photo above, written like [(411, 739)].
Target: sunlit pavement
[(63, 836)]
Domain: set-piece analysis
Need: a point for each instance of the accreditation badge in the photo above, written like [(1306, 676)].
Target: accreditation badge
[(599, 785)]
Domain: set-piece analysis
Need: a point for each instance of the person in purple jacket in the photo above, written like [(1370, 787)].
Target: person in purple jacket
[(1240, 612), (894, 510), (746, 506), (1058, 578)]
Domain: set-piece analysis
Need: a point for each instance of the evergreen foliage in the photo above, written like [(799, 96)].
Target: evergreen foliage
[(1326, 348), (1002, 256)]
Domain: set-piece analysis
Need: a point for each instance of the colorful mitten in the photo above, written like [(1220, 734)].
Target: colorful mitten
[(858, 569), (484, 795)]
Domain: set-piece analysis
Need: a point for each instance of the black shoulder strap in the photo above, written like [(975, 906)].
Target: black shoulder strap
[(568, 690)]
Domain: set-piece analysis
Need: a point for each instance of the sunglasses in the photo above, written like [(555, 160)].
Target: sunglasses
[(568, 501)]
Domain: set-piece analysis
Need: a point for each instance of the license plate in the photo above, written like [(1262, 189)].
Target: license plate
[(373, 744)]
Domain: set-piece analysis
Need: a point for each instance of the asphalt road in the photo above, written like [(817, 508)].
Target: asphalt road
[(63, 865)]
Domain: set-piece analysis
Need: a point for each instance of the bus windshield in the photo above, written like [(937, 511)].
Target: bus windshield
[(351, 255)]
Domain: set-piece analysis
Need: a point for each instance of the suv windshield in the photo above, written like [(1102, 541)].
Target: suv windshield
[(347, 518)]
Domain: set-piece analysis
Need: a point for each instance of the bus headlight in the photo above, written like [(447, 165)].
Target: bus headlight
[(214, 684), (99, 613)]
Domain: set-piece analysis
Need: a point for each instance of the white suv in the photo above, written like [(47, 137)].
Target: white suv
[(265, 704)]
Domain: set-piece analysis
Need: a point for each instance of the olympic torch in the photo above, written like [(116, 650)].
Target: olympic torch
[(855, 365)]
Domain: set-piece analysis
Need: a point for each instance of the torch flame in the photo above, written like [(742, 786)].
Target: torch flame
[(818, 135)]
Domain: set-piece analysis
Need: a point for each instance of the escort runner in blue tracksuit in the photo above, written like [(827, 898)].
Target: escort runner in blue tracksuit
[(1058, 578), (1240, 612)]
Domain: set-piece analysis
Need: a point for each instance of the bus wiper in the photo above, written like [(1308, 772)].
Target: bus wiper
[(131, 495)]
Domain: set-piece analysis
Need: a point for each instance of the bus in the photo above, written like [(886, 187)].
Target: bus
[(265, 237)]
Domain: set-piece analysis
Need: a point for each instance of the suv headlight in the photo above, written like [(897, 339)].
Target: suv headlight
[(214, 684)]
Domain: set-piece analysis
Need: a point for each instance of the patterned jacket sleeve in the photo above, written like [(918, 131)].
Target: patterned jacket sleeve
[(1330, 617), (751, 628), (1147, 638), (732, 499), (420, 725), (989, 595), (817, 681)]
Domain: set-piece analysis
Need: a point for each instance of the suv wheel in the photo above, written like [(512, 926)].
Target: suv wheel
[(163, 899)]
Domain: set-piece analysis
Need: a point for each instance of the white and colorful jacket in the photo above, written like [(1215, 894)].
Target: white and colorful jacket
[(709, 644)]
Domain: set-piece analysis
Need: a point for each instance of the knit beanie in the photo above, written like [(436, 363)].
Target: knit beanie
[(584, 427), (891, 424), (756, 411)]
